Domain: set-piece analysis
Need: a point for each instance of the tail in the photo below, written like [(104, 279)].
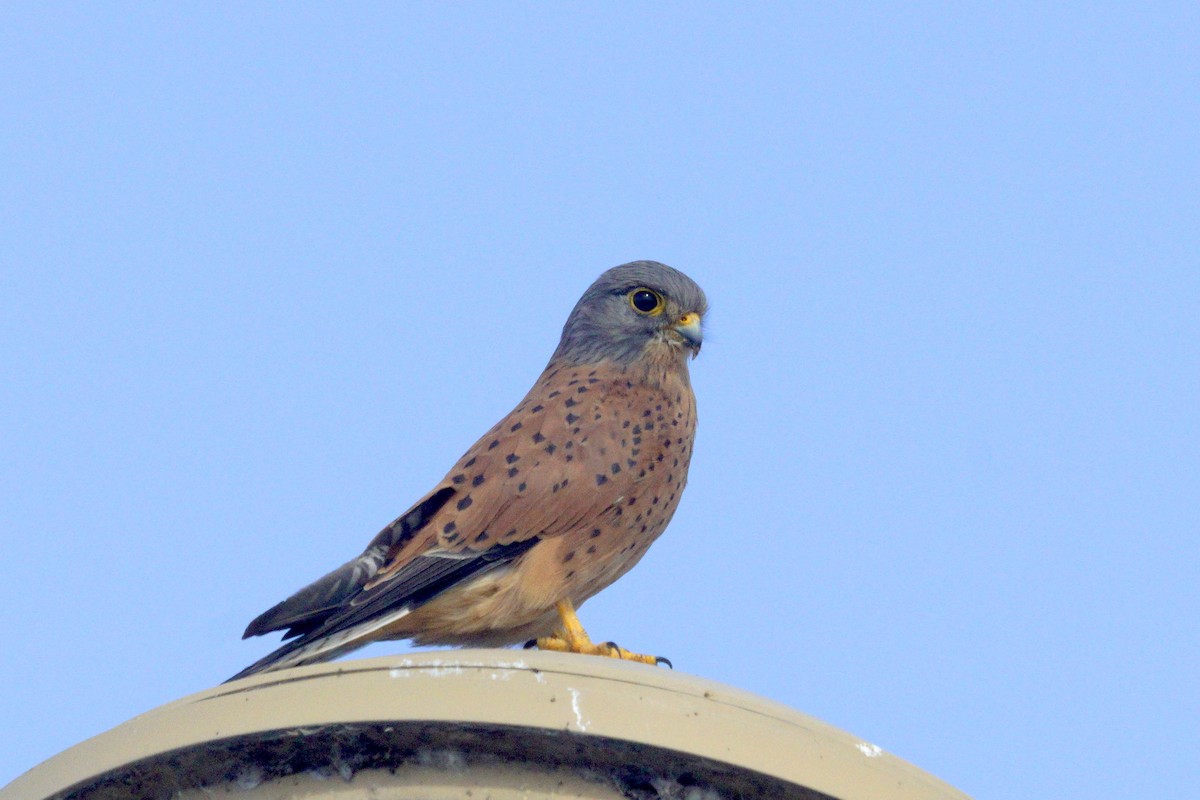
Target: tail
[(367, 616), (306, 614), (314, 649)]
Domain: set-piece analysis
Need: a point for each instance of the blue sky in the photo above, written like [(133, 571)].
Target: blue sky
[(267, 270)]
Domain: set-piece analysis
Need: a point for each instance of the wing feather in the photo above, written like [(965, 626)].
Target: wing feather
[(307, 609)]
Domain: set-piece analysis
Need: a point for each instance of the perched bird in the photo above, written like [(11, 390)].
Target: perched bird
[(555, 502)]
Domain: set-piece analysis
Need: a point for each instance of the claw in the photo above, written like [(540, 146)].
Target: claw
[(572, 638)]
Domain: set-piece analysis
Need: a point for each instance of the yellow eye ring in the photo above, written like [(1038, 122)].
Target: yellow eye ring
[(646, 301)]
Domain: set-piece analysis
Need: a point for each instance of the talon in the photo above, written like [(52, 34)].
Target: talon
[(661, 660), (532, 643), (572, 638)]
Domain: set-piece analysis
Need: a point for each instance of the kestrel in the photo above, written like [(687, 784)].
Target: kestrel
[(555, 502)]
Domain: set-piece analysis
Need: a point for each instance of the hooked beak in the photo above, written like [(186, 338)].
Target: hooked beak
[(688, 328)]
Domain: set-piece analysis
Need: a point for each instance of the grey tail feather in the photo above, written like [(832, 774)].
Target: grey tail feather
[(353, 625), (319, 649), (307, 609)]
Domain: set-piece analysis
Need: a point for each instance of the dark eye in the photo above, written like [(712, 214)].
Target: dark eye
[(646, 301)]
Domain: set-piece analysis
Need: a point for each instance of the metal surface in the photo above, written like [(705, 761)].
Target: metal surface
[(483, 723)]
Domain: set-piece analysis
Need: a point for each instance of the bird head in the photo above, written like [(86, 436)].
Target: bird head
[(634, 310)]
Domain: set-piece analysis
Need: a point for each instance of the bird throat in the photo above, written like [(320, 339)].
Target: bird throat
[(663, 363)]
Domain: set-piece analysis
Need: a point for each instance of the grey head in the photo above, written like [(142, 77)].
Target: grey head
[(630, 308)]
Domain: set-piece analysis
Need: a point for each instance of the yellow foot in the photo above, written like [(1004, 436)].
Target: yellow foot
[(574, 639)]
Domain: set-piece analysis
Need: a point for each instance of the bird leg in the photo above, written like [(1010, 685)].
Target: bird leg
[(572, 638)]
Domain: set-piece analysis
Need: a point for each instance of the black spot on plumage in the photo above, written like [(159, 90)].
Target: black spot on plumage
[(449, 527), (465, 503), (550, 448), (595, 532), (568, 557), (521, 486), (470, 463), (512, 533), (571, 418), (555, 393), (591, 549), (537, 408), (571, 402), (581, 390), (482, 537), (477, 480), (511, 458), (614, 468), (495, 443), (601, 480), (459, 478), (538, 438), (516, 427), (512, 472)]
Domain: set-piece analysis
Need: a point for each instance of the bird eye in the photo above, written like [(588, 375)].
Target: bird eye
[(646, 301)]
